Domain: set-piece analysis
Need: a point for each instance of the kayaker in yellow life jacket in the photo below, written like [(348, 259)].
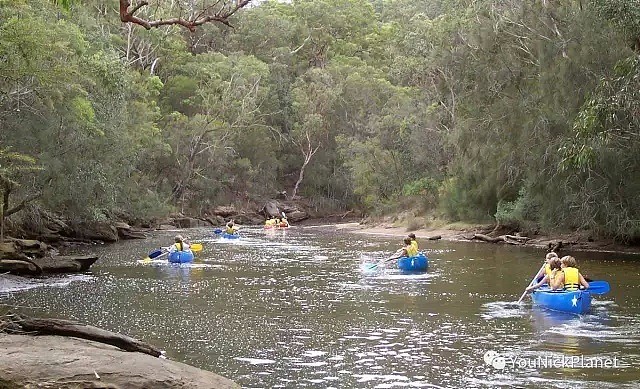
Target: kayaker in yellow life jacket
[(231, 229), (554, 267), (569, 277), (179, 245), (408, 250), (547, 268), (414, 242)]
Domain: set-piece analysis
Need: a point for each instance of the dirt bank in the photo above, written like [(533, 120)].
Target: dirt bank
[(569, 242)]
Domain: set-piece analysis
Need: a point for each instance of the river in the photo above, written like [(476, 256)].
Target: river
[(295, 309)]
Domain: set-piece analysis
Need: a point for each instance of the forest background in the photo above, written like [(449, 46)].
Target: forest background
[(522, 113)]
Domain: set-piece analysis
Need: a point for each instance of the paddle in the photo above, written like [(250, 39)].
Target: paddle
[(598, 287), (154, 254), (530, 283), (217, 231), (285, 218), (372, 266)]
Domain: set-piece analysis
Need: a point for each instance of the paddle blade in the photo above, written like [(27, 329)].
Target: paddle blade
[(196, 247), (217, 231), (153, 254), (599, 287)]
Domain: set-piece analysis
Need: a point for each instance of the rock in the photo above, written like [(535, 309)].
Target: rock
[(61, 362), (48, 265), (66, 264), (189, 222), (17, 266), (22, 248), (272, 208), (165, 227), (225, 211), (296, 216), (126, 232), (97, 231)]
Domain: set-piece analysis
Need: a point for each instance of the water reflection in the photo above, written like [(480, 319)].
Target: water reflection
[(294, 308)]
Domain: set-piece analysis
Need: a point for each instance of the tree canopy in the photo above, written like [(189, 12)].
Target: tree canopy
[(518, 112)]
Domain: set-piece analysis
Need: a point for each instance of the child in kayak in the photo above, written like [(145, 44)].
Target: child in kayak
[(554, 268), (546, 271), (414, 242), (569, 277), (180, 244)]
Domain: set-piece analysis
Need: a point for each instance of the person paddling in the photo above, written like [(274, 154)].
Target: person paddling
[(231, 228), (414, 242), (546, 272), (554, 268), (569, 277), (179, 245), (409, 250)]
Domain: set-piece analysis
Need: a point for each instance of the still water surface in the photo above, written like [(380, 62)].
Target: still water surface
[(295, 309)]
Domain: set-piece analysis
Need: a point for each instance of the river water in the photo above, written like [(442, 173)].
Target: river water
[(295, 308)]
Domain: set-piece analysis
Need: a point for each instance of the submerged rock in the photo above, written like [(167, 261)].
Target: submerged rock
[(61, 362)]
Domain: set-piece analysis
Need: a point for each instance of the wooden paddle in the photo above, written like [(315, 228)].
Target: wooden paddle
[(530, 283)]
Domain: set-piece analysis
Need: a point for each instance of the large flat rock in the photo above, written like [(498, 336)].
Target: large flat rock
[(62, 362)]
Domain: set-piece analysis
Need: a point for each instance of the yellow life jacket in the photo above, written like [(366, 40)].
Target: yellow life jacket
[(414, 243), (571, 278), (179, 246), (547, 270), (412, 250), (230, 230)]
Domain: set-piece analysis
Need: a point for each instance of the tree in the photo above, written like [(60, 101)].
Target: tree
[(12, 166), (220, 11)]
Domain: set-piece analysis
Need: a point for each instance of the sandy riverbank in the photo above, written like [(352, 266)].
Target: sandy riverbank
[(571, 242)]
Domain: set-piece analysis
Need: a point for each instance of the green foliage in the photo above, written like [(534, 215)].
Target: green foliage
[(520, 112)]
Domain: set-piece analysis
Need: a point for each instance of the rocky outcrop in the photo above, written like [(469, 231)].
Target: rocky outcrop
[(62, 362), (47, 265), (294, 211), (32, 257)]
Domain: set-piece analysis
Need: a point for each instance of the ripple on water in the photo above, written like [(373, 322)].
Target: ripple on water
[(10, 283), (503, 310)]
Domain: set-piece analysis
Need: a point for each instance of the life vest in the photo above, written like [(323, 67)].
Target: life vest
[(571, 278), (230, 230), (547, 270), (412, 250), (414, 243), (179, 246)]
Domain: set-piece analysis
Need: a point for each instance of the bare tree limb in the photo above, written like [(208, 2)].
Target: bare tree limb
[(221, 15)]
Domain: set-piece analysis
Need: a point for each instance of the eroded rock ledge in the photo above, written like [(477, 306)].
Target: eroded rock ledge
[(49, 361)]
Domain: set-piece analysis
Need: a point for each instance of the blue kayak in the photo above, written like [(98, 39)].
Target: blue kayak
[(181, 256), (578, 301), (416, 263), (230, 236)]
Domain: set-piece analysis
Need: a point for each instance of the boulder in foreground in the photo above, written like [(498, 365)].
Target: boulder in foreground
[(62, 362)]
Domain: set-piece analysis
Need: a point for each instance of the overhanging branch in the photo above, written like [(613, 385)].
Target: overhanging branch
[(221, 15)]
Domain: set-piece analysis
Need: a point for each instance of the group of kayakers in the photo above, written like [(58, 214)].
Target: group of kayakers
[(559, 273), (276, 222)]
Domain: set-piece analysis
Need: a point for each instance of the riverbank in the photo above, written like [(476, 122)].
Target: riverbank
[(466, 233)]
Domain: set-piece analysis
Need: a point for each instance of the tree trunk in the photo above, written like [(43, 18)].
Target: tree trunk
[(78, 330)]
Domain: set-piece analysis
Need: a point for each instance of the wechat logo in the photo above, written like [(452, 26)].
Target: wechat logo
[(494, 359)]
